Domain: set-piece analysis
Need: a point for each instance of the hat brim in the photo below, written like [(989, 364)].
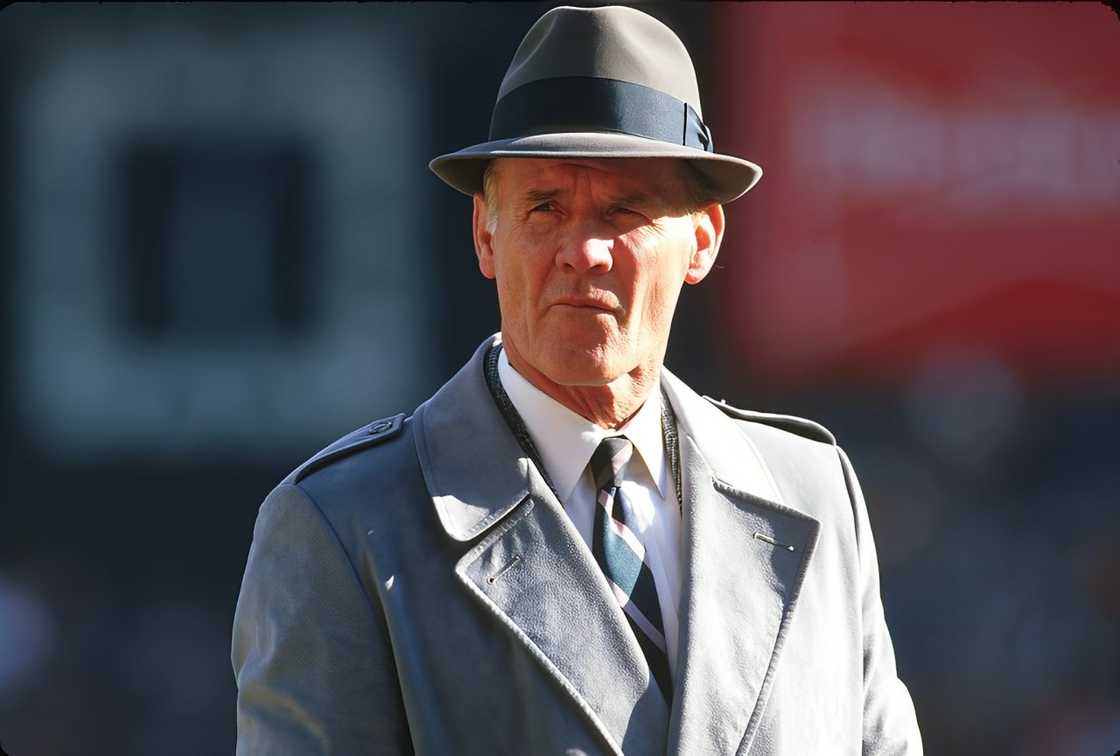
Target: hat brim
[(730, 177)]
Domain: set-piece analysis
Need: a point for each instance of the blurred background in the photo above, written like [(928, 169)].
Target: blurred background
[(221, 249)]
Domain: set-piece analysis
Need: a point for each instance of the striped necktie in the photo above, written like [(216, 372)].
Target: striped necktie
[(622, 557)]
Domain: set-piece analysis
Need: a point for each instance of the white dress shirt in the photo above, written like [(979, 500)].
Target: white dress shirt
[(566, 442)]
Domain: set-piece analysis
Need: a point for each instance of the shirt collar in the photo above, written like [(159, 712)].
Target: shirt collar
[(566, 440)]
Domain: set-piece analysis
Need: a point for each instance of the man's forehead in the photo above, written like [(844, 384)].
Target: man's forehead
[(632, 175)]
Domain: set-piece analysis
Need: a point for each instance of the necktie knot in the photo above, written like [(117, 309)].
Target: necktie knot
[(610, 460)]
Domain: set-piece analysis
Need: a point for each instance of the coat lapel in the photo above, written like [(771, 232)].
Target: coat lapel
[(745, 555), (530, 567)]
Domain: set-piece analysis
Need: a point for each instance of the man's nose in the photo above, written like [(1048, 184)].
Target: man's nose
[(586, 250)]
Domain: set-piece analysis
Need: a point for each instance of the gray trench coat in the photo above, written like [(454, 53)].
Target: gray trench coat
[(416, 587)]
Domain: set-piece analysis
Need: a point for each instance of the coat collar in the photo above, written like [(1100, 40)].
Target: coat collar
[(473, 466), (477, 473), (729, 455)]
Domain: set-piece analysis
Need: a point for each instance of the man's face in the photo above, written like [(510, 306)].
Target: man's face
[(589, 257)]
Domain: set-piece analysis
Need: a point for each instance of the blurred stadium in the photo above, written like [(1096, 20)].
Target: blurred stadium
[(221, 249)]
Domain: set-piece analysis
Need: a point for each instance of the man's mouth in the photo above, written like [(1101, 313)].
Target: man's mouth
[(589, 301)]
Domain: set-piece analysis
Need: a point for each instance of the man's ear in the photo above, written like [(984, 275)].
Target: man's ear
[(708, 227), (483, 239)]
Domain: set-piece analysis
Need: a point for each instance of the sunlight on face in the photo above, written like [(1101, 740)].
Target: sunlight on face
[(589, 257)]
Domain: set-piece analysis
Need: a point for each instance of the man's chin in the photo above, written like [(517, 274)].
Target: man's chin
[(582, 380)]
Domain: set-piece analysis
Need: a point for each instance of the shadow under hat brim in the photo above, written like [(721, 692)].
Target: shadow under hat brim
[(730, 177)]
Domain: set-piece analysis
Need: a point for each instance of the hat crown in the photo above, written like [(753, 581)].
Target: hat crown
[(609, 42), (605, 83)]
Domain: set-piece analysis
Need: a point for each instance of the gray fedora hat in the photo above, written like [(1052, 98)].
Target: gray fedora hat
[(607, 82)]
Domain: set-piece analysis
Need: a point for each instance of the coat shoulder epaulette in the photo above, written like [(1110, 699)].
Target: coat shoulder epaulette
[(368, 435), (799, 425)]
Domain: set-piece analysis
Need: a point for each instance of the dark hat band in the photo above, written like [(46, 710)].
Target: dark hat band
[(586, 103)]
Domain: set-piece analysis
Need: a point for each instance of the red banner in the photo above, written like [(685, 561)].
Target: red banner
[(937, 177)]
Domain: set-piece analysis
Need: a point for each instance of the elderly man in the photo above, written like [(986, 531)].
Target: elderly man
[(565, 549)]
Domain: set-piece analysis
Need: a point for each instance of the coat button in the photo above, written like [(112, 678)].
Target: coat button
[(381, 426)]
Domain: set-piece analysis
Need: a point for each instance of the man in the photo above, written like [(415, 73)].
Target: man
[(565, 549)]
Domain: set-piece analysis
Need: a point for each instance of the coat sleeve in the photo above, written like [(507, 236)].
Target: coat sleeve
[(890, 724), (311, 654)]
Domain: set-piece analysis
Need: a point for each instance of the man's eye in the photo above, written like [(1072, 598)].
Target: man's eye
[(623, 211), (544, 207)]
